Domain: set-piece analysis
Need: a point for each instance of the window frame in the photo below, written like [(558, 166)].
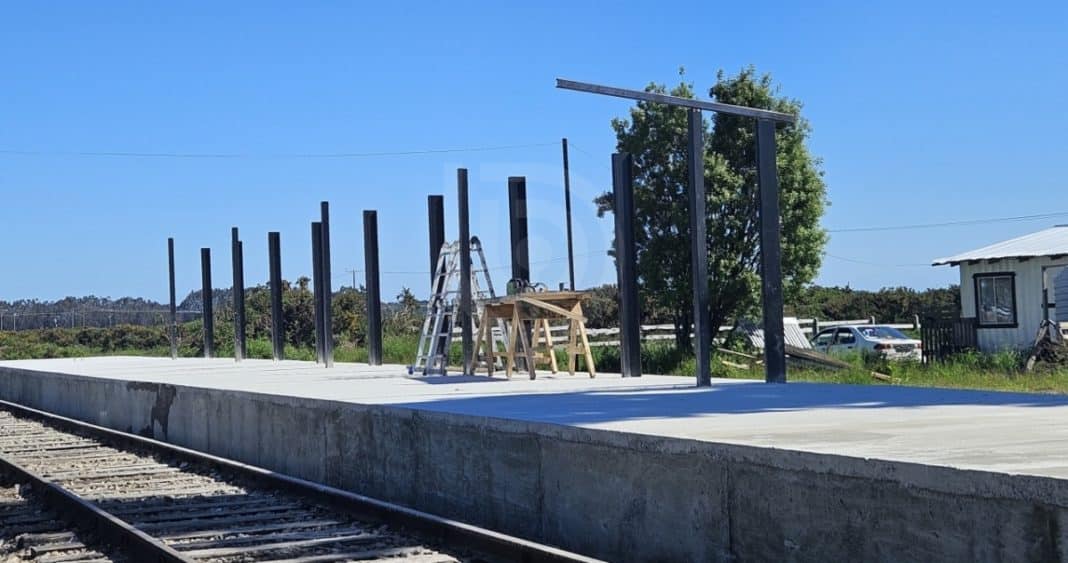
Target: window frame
[(847, 332), (1015, 323), (830, 341)]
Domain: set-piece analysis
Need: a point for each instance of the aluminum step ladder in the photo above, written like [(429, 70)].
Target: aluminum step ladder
[(443, 308)]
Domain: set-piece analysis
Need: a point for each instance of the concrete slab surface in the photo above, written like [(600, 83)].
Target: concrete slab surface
[(1001, 432)]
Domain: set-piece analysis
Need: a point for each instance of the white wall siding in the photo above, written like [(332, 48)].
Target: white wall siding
[(1029, 312)]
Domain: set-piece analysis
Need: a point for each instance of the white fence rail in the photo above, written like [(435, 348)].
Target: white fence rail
[(649, 333)]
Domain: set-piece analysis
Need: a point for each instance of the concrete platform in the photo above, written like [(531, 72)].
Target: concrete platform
[(1004, 432), (742, 470)]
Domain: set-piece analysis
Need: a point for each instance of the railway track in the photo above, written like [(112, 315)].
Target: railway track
[(158, 502), (31, 531)]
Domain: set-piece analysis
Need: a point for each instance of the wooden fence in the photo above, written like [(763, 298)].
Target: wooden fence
[(945, 337), (652, 333)]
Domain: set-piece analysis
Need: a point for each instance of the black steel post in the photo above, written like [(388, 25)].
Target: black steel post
[(239, 294), (327, 286), (517, 221), (278, 329), (317, 289), (626, 265), (374, 294), (699, 247), (207, 305), (567, 213), (174, 301), (435, 205), (770, 255), (463, 212)]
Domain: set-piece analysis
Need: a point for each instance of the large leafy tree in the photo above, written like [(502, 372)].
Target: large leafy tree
[(655, 135)]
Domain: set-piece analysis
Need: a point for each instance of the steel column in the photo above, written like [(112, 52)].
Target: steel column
[(770, 255), (317, 289), (327, 286), (517, 222), (567, 213), (463, 213), (435, 206), (278, 329), (207, 305), (239, 294), (374, 294), (626, 265), (173, 332), (699, 246)]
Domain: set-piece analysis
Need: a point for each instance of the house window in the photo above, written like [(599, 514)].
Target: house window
[(995, 300)]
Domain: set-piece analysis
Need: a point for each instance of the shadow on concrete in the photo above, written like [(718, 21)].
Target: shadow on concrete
[(450, 379), (724, 397)]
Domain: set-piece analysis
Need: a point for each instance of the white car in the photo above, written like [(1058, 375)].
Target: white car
[(886, 341)]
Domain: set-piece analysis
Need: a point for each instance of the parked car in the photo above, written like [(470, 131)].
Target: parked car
[(886, 341)]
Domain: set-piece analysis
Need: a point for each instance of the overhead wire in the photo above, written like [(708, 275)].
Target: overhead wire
[(325, 155)]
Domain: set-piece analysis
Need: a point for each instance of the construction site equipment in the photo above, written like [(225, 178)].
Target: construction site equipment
[(435, 339), (533, 309)]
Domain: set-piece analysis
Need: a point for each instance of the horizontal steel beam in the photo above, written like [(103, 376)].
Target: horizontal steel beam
[(675, 101)]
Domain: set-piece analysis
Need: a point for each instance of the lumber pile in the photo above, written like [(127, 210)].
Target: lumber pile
[(1049, 347), (798, 355)]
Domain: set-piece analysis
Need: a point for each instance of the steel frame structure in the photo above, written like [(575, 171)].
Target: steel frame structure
[(770, 244)]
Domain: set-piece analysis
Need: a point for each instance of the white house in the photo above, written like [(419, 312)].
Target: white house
[(1009, 286)]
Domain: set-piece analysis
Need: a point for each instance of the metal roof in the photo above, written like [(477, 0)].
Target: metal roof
[(1048, 242)]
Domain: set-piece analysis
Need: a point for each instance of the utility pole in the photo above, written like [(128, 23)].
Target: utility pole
[(353, 272)]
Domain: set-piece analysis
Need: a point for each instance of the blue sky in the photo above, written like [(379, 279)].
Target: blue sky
[(922, 112)]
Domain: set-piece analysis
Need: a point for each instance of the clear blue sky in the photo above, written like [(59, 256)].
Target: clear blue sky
[(923, 112)]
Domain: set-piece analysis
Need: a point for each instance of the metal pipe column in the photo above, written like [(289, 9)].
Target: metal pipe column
[(567, 213), (626, 266), (207, 305), (435, 206), (317, 287), (174, 301), (463, 212), (374, 294), (327, 286), (699, 247), (517, 222), (278, 329), (770, 254), (238, 255)]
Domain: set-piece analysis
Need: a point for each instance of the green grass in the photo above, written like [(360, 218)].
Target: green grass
[(1002, 371)]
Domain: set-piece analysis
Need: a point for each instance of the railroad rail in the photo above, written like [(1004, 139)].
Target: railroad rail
[(156, 502)]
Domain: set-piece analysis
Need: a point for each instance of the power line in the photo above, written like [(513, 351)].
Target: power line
[(881, 265), (1017, 218), (339, 155)]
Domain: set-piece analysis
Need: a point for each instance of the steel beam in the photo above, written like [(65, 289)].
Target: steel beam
[(626, 265), (173, 332), (517, 223), (699, 247), (770, 255), (207, 306), (374, 293), (278, 329), (674, 101), (567, 214), (317, 287), (239, 294), (435, 206), (327, 286), (463, 213)]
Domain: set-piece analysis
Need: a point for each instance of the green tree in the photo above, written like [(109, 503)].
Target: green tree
[(407, 316), (655, 134)]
